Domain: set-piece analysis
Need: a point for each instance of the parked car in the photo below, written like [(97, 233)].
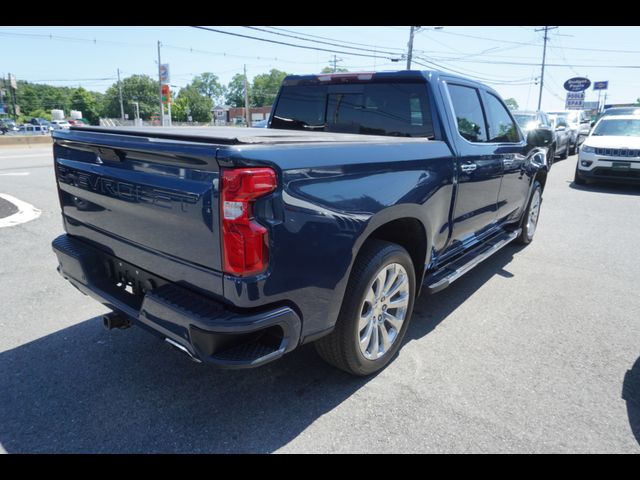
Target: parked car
[(580, 125), (236, 246), (536, 119), (260, 123), (41, 122), (60, 124), (560, 126), (7, 126), (79, 122), (612, 152), (30, 129), (621, 111)]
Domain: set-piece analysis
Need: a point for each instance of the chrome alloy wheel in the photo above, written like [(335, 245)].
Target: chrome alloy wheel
[(383, 311), (534, 211)]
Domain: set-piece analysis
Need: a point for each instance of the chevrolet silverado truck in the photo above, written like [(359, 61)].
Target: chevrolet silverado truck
[(237, 245)]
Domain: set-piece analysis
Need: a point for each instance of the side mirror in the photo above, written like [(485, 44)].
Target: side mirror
[(540, 137), (592, 124)]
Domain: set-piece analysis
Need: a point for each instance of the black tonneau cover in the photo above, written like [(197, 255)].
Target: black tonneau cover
[(246, 136)]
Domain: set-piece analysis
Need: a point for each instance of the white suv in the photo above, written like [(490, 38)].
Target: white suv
[(612, 152)]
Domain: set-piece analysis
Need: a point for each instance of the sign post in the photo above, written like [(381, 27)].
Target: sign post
[(166, 93), (600, 86)]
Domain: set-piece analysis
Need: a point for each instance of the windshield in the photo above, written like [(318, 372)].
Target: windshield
[(622, 111), (523, 119), (618, 127), (393, 109)]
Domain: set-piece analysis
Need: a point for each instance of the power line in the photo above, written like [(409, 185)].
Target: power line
[(208, 52), (401, 50), (320, 41), (529, 44), (290, 44)]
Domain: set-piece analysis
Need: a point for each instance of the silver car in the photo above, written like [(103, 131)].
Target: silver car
[(579, 124)]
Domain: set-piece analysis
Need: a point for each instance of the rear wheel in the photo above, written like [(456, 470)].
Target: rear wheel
[(532, 213), (375, 312)]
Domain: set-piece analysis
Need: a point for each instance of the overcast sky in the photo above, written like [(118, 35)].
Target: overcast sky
[(89, 56)]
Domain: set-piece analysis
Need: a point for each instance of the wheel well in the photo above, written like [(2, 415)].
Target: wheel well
[(410, 234)]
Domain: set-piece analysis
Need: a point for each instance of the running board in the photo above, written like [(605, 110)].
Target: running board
[(444, 276)]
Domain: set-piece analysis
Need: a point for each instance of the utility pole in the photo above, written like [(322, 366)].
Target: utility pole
[(160, 87), (410, 46), (544, 56), (12, 92), (335, 63), (246, 98), (120, 93)]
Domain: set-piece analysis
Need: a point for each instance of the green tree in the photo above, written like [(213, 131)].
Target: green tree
[(265, 87), (208, 84), (34, 97), (511, 103), (234, 95), (330, 70), (190, 101), (87, 103), (140, 88)]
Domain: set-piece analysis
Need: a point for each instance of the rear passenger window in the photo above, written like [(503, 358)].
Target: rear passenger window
[(501, 127), (468, 111)]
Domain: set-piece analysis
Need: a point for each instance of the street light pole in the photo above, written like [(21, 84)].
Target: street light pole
[(160, 86), (137, 104)]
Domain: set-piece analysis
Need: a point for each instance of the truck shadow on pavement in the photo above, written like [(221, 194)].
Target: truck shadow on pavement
[(612, 188), (631, 395), (83, 389)]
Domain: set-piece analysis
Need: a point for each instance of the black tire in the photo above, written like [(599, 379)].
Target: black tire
[(551, 156), (341, 347), (577, 178), (526, 235), (574, 148)]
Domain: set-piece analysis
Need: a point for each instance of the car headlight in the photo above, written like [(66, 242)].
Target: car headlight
[(587, 149)]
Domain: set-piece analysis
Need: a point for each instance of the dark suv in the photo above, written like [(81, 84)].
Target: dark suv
[(536, 119)]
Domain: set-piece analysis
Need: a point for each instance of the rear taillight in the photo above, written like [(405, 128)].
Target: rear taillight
[(245, 246)]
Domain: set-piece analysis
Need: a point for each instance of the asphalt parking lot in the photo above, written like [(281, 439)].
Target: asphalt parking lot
[(535, 350)]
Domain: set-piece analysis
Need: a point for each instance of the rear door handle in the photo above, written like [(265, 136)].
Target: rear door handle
[(468, 167)]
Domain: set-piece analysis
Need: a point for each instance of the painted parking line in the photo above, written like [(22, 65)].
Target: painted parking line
[(26, 212), (14, 174)]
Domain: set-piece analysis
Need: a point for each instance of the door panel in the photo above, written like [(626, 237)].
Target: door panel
[(509, 147), (479, 170)]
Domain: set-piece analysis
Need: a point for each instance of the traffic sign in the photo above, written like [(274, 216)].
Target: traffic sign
[(164, 73), (601, 85), (575, 101), (577, 84)]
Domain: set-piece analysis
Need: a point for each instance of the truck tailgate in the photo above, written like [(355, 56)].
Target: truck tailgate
[(154, 195)]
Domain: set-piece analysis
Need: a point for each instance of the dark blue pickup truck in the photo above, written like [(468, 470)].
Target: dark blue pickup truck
[(238, 245)]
